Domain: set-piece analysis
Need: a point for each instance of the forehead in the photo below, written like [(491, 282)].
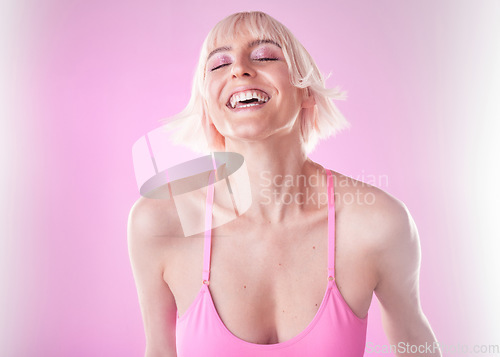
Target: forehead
[(252, 31)]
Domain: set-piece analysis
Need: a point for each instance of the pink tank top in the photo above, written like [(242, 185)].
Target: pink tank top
[(334, 331)]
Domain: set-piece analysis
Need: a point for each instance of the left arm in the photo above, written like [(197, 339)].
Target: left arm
[(397, 289)]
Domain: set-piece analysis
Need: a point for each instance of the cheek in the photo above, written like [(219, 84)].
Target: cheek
[(283, 76), (212, 95)]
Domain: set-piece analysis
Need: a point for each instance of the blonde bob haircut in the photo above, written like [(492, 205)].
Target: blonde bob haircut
[(194, 129)]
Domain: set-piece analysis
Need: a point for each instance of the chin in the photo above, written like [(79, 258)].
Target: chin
[(249, 133)]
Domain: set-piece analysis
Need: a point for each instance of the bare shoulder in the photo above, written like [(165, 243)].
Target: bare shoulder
[(153, 229), (381, 218), (153, 217)]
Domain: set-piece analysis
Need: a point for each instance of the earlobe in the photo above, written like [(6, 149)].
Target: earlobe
[(205, 111), (308, 101)]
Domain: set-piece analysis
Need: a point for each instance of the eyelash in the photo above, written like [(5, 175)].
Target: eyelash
[(257, 59), (267, 59)]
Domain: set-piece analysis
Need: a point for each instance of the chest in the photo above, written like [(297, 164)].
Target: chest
[(266, 283), (276, 286)]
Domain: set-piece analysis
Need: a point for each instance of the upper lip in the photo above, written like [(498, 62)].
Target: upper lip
[(245, 88)]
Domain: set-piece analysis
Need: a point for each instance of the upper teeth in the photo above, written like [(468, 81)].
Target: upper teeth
[(247, 95)]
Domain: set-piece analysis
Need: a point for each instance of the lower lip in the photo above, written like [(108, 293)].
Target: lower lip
[(250, 108)]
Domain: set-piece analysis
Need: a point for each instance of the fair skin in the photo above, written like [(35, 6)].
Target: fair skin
[(255, 256)]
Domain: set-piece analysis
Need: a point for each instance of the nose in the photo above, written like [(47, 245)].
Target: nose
[(242, 68)]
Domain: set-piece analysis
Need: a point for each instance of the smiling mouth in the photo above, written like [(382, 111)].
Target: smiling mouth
[(248, 98)]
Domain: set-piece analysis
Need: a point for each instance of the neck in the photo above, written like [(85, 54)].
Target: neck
[(280, 176)]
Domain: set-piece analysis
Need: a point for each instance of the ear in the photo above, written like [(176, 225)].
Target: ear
[(204, 111), (215, 140), (308, 100)]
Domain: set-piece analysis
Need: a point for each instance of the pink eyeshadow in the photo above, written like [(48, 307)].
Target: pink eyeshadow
[(218, 60), (266, 51)]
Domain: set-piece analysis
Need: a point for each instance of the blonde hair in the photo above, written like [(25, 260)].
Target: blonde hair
[(192, 128)]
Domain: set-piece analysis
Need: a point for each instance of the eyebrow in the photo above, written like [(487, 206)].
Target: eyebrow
[(250, 45)]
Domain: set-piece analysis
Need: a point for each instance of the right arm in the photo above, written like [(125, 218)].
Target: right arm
[(147, 249)]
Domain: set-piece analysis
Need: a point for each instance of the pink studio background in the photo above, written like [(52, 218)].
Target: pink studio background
[(85, 79)]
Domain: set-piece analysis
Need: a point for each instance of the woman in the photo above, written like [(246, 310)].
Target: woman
[(294, 275)]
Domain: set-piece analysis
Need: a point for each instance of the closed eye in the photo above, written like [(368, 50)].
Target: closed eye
[(219, 66), (266, 59), (256, 59)]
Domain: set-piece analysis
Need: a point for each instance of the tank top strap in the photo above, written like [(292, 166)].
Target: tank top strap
[(208, 228), (331, 225)]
